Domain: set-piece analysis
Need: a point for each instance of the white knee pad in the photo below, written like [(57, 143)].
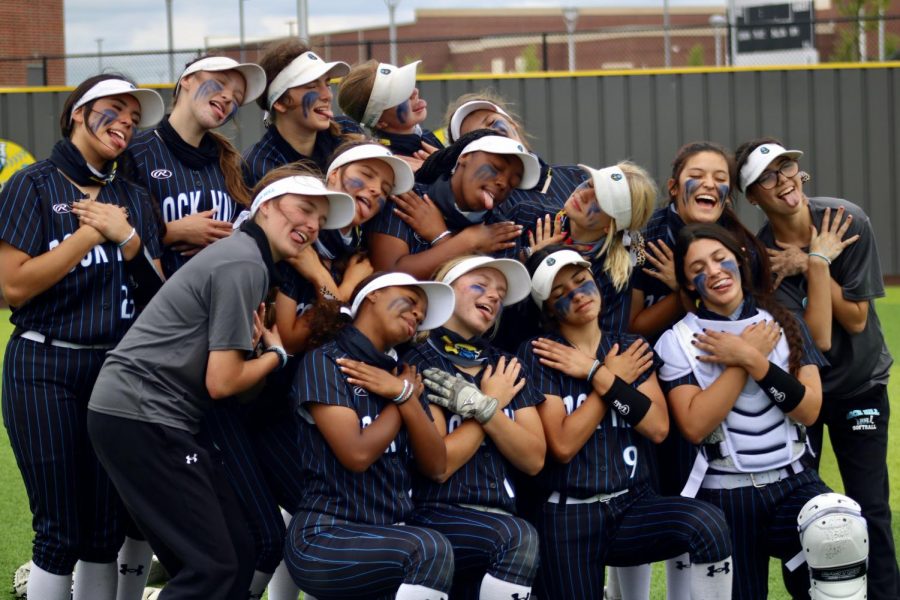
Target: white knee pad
[(835, 543)]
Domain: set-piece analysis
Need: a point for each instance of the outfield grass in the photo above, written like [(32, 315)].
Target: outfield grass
[(15, 518)]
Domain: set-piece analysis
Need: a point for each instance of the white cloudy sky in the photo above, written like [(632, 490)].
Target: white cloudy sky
[(141, 24)]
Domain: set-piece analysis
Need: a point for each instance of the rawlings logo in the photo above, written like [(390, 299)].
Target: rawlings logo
[(160, 174), (62, 209), (359, 391)]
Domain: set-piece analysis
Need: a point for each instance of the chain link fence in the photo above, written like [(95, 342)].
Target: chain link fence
[(716, 43)]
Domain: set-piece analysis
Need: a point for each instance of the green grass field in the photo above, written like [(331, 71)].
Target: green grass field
[(15, 518)]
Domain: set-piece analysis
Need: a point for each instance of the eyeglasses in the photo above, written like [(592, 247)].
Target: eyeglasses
[(769, 179)]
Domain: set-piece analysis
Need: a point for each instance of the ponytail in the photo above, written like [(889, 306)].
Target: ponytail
[(230, 162)]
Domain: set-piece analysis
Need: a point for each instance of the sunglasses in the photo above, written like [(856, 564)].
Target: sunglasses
[(769, 179)]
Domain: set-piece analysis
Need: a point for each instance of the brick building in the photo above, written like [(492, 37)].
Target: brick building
[(30, 30)]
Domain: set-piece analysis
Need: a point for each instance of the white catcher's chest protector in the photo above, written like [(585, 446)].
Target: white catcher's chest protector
[(756, 435), (835, 544)]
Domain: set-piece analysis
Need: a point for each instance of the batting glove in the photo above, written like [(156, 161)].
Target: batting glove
[(459, 396)]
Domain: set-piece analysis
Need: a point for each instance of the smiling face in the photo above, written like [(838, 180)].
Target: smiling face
[(292, 222), (702, 188), (584, 211), (308, 105), (212, 97), (103, 133), (399, 311), (483, 180), (786, 194), (714, 273), (574, 298), (406, 115), (479, 301), (488, 119), (369, 182)]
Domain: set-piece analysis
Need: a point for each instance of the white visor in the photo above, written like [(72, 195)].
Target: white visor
[(761, 157), (518, 283), (393, 85), (497, 144), (253, 74), (441, 300), (403, 175), (542, 282), (612, 193), (341, 208), (303, 69), (152, 106), (460, 114)]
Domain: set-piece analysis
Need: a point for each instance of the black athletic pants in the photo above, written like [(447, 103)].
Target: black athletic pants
[(858, 430), (175, 490)]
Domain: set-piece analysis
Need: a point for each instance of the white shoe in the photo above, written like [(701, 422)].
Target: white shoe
[(20, 580)]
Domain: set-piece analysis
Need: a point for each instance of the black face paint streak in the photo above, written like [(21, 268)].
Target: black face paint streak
[(563, 305), (309, 98), (402, 111), (723, 191), (486, 172), (690, 186), (700, 283), (100, 119), (208, 88), (478, 289), (353, 184)]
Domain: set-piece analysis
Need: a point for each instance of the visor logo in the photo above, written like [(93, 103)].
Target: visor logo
[(616, 177), (764, 150)]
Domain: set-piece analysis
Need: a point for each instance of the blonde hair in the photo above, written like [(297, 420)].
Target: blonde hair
[(493, 98), (618, 262), (356, 89), (445, 268)]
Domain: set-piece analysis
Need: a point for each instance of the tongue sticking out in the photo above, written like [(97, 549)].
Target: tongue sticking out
[(488, 199), (792, 198), (296, 237)]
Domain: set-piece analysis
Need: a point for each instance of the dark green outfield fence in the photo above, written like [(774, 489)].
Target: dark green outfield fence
[(845, 117)]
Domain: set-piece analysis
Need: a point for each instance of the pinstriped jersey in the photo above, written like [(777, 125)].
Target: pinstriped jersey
[(554, 187), (615, 457), (378, 496), (92, 303), (180, 190), (272, 150), (487, 479), (664, 224), (388, 223)]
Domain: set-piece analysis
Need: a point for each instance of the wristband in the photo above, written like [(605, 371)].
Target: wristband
[(442, 235), (822, 256), (631, 404), (782, 388), (128, 239), (282, 355), (404, 394), (594, 368)]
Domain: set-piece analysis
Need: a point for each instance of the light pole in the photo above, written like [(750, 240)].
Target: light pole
[(171, 42), (241, 6), (570, 16), (290, 24), (392, 27), (718, 22), (667, 41), (302, 21), (99, 54)]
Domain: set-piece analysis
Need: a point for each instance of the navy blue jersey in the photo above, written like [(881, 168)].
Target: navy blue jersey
[(616, 457), (378, 496), (553, 188), (663, 225), (407, 144), (388, 223), (92, 303), (180, 190), (487, 479), (272, 150)]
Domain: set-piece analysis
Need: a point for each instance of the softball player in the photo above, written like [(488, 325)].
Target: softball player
[(384, 98), (362, 425), (368, 172), (832, 286), (69, 307), (193, 172), (602, 411), (190, 346), (473, 500), (742, 379), (299, 119), (459, 188)]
